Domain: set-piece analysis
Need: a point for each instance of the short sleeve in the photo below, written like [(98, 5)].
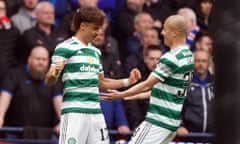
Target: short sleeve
[(165, 68)]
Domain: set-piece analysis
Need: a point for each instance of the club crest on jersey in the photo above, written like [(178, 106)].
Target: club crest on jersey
[(90, 60), (71, 141)]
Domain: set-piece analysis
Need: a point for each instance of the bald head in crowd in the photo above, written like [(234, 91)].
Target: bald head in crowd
[(201, 63), (190, 18), (174, 31), (38, 62), (45, 13)]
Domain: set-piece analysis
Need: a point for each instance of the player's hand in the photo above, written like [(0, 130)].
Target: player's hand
[(57, 68), (135, 75), (57, 128), (111, 95), (182, 132), (1, 122), (124, 130)]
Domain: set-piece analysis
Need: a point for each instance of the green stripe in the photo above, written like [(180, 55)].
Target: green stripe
[(156, 109), (185, 53), (159, 74), (161, 124), (81, 110), (90, 52), (63, 52), (74, 43), (76, 67), (80, 83), (169, 63), (80, 96), (166, 96), (175, 82), (184, 69)]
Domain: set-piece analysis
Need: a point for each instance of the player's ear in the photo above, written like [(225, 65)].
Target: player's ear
[(174, 32)]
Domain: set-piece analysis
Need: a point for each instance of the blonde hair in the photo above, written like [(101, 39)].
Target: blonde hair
[(178, 23)]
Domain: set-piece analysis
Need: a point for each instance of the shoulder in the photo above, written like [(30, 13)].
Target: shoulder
[(68, 44)]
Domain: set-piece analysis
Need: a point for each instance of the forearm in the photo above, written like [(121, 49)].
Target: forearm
[(50, 79), (136, 89), (5, 100), (57, 101), (142, 95), (108, 83)]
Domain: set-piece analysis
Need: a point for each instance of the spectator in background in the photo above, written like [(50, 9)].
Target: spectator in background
[(26, 16), (110, 54), (26, 101), (44, 33), (149, 37), (157, 10), (174, 5), (124, 24), (204, 41), (63, 29), (9, 36), (112, 110), (192, 27), (13, 6), (142, 21), (196, 114), (203, 11), (136, 109)]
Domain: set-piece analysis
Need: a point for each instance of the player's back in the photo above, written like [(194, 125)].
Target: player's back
[(168, 95)]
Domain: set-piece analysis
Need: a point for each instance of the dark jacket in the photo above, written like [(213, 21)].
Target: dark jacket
[(137, 109), (196, 114), (36, 36)]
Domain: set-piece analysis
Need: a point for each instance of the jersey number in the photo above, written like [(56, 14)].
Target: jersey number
[(182, 93)]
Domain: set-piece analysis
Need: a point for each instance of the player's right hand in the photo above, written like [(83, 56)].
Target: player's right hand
[(111, 95)]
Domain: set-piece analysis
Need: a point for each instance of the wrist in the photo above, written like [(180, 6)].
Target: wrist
[(125, 82)]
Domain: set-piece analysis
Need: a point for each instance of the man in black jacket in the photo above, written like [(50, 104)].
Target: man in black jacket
[(136, 109), (196, 114)]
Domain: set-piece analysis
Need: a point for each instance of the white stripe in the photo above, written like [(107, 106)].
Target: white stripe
[(76, 104), (77, 59), (79, 76), (164, 119), (167, 88), (163, 69), (94, 90), (178, 76), (166, 104), (56, 59), (160, 78)]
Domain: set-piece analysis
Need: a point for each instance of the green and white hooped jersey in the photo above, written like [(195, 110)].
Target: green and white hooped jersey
[(80, 76), (167, 97)]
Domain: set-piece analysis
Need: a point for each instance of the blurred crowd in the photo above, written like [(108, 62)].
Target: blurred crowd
[(130, 38)]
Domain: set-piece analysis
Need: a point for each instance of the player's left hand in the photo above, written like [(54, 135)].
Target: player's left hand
[(57, 128), (124, 130), (111, 95), (135, 75)]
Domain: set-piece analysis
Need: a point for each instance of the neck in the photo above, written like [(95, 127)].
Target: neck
[(178, 42), (81, 38), (31, 12), (46, 28)]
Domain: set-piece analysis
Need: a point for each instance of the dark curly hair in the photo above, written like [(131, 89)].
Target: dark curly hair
[(89, 15)]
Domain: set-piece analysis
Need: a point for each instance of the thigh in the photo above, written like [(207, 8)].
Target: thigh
[(74, 128), (147, 133), (98, 133)]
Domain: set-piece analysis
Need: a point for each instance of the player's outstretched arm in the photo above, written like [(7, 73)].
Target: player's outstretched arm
[(107, 83), (140, 96), (136, 89)]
